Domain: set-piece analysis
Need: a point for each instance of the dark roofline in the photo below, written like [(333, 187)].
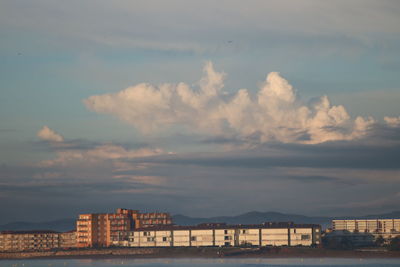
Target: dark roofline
[(209, 226), (138, 212), (30, 232), (70, 231)]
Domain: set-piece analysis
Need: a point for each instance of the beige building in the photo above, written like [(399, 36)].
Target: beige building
[(67, 239), (101, 229), (387, 228), (267, 234), (36, 240)]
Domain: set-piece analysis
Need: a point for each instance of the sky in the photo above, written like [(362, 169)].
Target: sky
[(201, 108)]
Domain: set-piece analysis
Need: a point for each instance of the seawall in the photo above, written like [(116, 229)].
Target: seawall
[(208, 252)]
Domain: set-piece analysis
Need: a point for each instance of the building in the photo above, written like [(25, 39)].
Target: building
[(387, 228), (100, 229), (218, 235), (67, 240), (36, 240)]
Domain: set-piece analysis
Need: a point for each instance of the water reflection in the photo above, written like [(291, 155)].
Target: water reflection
[(197, 262)]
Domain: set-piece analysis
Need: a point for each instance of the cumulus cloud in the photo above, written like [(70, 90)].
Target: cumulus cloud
[(275, 113), (102, 161), (50, 135), (392, 121)]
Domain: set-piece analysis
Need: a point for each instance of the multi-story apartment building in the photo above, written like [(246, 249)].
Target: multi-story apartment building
[(100, 229), (36, 240), (267, 234), (386, 228), (67, 239)]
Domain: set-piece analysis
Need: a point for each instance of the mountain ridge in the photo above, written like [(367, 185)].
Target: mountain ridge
[(251, 217)]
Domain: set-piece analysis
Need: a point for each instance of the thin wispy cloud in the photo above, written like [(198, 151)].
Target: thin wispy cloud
[(197, 26)]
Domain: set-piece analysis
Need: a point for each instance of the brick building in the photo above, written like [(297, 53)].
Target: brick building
[(100, 229)]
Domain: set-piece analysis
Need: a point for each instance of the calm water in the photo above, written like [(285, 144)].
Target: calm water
[(203, 262)]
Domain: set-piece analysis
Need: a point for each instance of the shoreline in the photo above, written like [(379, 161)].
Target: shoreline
[(210, 252)]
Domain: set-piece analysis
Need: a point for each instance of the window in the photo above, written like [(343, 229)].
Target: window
[(193, 238), (150, 239), (245, 231), (305, 237), (226, 232), (164, 239), (227, 238)]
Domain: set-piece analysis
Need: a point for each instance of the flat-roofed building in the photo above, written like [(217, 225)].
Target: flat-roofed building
[(36, 240), (364, 231), (67, 239), (204, 235), (387, 228)]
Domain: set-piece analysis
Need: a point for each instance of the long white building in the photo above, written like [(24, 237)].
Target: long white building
[(218, 235), (386, 228)]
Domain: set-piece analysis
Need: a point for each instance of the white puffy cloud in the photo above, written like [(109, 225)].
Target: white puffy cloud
[(102, 161), (392, 121), (48, 134), (275, 113)]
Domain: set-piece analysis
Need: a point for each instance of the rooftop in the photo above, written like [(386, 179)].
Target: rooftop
[(205, 226), (30, 232)]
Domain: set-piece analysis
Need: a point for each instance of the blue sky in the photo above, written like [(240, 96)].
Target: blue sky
[(67, 65)]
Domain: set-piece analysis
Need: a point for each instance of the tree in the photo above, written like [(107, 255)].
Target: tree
[(379, 241), (394, 244), (337, 242), (346, 243)]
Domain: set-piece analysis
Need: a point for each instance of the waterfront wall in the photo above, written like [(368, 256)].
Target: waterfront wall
[(78, 253)]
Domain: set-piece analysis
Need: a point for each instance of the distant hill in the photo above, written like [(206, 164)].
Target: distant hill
[(256, 217), (253, 217), (391, 215)]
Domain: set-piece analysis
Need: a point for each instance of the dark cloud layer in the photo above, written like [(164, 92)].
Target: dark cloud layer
[(343, 155), (320, 179), (82, 144), (312, 176)]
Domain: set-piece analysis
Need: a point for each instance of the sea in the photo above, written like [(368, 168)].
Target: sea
[(192, 262)]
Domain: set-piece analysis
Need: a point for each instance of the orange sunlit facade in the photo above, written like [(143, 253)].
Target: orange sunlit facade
[(100, 229)]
